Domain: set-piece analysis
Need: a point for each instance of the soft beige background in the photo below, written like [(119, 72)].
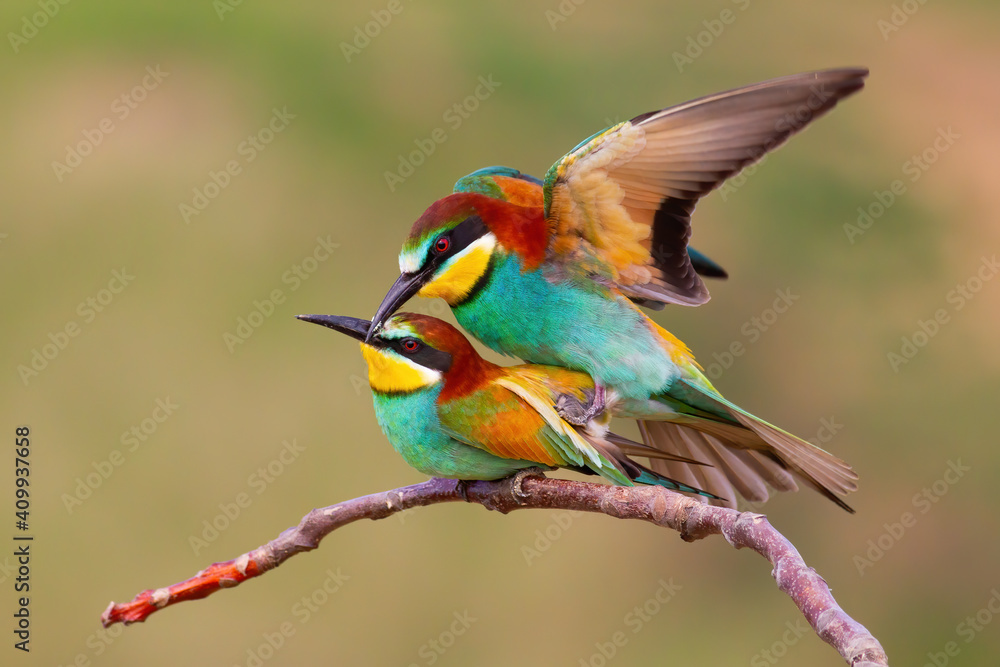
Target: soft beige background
[(323, 177)]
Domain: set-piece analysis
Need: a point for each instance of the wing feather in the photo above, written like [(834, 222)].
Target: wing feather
[(623, 199)]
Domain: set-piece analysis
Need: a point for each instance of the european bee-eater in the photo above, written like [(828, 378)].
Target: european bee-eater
[(450, 413), (557, 279)]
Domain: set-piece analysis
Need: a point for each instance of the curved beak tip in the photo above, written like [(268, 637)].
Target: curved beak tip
[(406, 285)]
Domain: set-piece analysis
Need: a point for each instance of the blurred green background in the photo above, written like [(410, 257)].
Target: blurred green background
[(535, 588)]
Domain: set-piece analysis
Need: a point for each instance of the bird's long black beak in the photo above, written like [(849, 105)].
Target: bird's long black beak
[(352, 326), (405, 286)]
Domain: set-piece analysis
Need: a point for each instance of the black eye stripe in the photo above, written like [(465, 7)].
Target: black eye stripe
[(461, 237), (424, 355)]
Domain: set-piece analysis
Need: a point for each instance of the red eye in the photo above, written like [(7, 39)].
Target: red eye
[(442, 244), (411, 344)]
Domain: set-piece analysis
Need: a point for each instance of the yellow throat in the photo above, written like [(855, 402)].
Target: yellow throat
[(461, 273), (390, 373)]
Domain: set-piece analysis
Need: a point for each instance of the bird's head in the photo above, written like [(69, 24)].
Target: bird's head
[(409, 352), (450, 248)]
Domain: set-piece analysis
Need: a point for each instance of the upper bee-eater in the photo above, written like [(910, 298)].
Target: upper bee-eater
[(556, 274), (450, 413)]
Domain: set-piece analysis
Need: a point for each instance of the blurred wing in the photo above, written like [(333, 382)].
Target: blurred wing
[(620, 204)]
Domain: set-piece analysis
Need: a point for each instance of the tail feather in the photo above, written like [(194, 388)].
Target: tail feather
[(705, 266), (746, 454), (712, 476), (743, 479), (632, 448), (610, 447), (769, 471), (729, 477), (652, 478), (817, 465), (667, 436)]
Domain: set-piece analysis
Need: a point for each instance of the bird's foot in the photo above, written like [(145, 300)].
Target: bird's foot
[(518, 478), (462, 488), (575, 412)]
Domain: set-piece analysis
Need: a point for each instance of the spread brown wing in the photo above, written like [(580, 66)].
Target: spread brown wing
[(621, 202)]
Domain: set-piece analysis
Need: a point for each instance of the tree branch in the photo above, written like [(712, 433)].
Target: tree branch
[(691, 518)]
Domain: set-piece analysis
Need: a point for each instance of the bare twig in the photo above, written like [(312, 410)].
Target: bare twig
[(692, 519)]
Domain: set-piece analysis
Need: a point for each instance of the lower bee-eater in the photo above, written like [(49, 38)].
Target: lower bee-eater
[(450, 413), (558, 279)]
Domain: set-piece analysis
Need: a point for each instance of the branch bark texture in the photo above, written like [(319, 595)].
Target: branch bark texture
[(692, 519)]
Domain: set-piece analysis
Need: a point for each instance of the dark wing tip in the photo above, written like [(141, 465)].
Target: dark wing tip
[(705, 266)]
